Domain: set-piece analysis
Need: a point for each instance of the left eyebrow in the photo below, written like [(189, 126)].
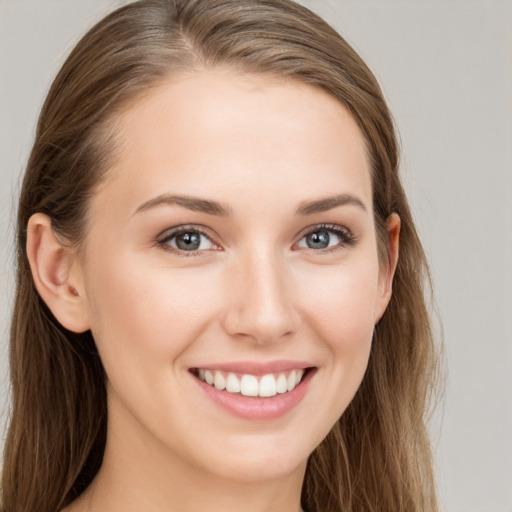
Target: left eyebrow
[(328, 203), (191, 203)]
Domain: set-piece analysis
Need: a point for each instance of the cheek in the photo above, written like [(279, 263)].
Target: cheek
[(341, 305), (145, 314), (338, 305)]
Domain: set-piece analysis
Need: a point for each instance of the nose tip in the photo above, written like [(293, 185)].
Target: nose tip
[(260, 305), (260, 328)]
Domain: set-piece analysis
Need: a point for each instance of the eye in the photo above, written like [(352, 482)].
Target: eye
[(327, 238), (187, 240)]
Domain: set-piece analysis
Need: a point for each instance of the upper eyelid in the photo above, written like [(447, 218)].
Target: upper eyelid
[(174, 231), (183, 228), (207, 231), (326, 226)]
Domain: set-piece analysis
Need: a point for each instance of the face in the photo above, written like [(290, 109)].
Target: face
[(233, 242)]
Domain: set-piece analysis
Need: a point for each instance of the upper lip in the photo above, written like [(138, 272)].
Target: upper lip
[(257, 368)]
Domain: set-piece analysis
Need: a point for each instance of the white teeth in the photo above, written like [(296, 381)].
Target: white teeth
[(281, 384), (291, 381), (232, 383), (249, 385), (267, 386), (208, 377), (219, 381)]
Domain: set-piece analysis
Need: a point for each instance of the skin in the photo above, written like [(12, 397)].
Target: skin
[(254, 291)]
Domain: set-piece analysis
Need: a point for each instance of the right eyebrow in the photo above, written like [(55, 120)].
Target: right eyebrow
[(328, 203), (195, 204)]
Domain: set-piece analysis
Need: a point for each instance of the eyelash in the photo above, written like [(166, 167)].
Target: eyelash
[(164, 241), (344, 234)]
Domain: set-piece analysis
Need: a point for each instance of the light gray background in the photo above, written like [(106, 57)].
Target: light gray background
[(446, 69)]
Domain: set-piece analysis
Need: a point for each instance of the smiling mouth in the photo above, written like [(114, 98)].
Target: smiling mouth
[(264, 386)]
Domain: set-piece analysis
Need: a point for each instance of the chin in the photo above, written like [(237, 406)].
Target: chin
[(261, 470), (258, 460)]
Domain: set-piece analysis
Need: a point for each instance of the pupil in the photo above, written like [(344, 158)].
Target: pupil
[(188, 241), (318, 240)]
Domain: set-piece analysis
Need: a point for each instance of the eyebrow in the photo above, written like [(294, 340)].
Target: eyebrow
[(328, 203), (191, 203), (222, 210)]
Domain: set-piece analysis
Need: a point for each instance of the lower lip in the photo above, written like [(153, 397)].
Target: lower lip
[(258, 408)]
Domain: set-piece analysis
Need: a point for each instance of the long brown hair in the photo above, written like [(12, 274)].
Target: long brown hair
[(377, 457)]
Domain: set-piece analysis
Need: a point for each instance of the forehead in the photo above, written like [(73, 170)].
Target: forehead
[(221, 132)]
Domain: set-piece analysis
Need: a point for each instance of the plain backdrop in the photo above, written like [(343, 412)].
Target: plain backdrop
[(446, 69)]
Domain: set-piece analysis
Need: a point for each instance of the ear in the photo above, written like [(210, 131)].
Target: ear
[(57, 274), (388, 268)]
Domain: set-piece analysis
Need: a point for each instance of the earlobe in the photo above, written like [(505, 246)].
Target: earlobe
[(388, 269), (56, 276)]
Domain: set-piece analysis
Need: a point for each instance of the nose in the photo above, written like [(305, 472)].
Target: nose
[(260, 300)]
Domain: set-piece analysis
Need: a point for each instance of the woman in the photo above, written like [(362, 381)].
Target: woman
[(211, 308)]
